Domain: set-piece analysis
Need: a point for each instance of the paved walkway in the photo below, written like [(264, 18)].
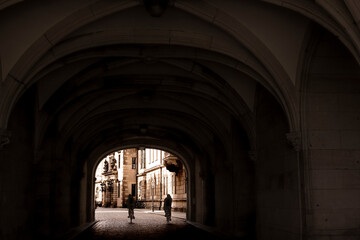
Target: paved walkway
[(101, 213), (114, 224)]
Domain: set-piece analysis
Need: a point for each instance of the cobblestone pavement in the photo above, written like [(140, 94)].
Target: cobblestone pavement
[(114, 224)]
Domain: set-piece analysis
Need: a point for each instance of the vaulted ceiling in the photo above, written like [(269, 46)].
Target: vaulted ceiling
[(107, 72)]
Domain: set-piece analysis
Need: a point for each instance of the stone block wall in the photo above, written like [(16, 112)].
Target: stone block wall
[(333, 142), (19, 210), (278, 207), (129, 174)]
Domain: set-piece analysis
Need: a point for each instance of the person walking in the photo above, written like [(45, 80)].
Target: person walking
[(167, 207), (130, 203)]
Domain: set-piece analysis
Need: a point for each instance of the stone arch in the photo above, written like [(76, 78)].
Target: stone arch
[(333, 17), (182, 155), (277, 147), (337, 84)]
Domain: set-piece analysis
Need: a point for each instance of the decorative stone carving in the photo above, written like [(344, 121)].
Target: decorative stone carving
[(106, 166), (172, 164), (113, 162), (4, 137), (294, 139), (156, 7)]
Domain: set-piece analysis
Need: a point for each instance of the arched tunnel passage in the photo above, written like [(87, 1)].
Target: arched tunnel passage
[(261, 102), (219, 189), (200, 120), (191, 102), (211, 142), (209, 191)]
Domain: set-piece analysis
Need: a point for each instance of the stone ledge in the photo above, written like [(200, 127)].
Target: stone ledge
[(213, 230), (74, 232)]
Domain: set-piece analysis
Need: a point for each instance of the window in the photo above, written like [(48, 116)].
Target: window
[(185, 182), (134, 163), (166, 185), (174, 184), (133, 188), (142, 156), (118, 154), (154, 184), (148, 155)]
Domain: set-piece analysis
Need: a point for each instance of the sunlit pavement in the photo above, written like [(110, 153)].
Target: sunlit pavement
[(114, 224)]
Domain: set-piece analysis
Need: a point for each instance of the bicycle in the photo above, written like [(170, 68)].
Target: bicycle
[(131, 215), (168, 215)]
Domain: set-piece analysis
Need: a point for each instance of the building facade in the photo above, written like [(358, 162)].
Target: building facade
[(116, 178), (159, 174), (147, 174)]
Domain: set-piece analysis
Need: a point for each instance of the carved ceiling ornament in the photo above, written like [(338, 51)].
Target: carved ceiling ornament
[(156, 8)]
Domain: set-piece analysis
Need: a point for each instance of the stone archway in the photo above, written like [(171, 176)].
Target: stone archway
[(187, 178), (225, 84)]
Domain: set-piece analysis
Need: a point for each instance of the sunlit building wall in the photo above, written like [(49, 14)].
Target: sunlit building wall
[(148, 174)]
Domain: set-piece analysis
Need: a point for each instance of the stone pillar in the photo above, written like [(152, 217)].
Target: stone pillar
[(294, 140), (208, 198)]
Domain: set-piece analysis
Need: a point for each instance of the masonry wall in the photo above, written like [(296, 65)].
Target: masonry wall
[(198, 197), (333, 142), (244, 189), (165, 182), (234, 186), (278, 212), (129, 174), (17, 179)]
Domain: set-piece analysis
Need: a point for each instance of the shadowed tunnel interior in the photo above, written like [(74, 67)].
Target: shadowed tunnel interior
[(258, 99), (169, 103)]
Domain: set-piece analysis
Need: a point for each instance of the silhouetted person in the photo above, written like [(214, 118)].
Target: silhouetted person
[(130, 203), (167, 206)]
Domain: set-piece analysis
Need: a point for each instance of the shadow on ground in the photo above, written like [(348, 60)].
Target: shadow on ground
[(133, 231)]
